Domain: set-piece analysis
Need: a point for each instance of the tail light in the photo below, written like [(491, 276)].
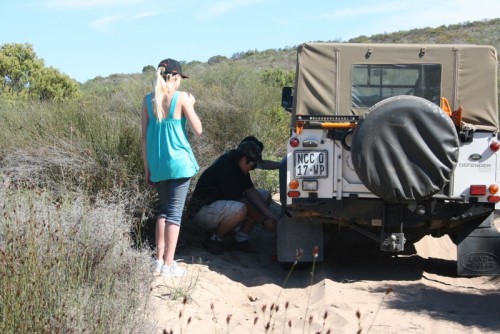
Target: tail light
[(293, 184), (493, 199), (294, 142), (493, 189), (495, 145), (481, 190), (477, 190)]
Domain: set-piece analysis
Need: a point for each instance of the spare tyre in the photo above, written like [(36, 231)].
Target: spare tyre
[(404, 149)]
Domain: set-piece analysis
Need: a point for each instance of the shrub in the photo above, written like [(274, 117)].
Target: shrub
[(67, 265)]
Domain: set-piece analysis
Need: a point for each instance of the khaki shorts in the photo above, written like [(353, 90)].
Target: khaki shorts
[(209, 216)]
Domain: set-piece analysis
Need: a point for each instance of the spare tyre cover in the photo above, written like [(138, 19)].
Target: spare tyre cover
[(404, 149)]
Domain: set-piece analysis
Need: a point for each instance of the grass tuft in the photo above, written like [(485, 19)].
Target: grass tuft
[(67, 265)]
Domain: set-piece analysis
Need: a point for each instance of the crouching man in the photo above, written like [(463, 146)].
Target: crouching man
[(225, 200)]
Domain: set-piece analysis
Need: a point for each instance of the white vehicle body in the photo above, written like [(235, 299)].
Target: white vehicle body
[(395, 142)]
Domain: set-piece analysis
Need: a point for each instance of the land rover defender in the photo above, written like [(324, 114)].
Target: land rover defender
[(396, 142)]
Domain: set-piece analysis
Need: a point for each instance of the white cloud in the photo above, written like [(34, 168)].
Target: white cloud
[(360, 11), (222, 7), (78, 4), (390, 16), (459, 11), (105, 23), (436, 13), (422, 11)]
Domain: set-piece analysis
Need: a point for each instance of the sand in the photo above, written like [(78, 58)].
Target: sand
[(353, 290)]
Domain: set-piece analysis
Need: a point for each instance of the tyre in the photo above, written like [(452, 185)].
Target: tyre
[(405, 149)]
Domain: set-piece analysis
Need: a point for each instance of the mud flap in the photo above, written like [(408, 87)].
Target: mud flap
[(299, 236), (478, 253)]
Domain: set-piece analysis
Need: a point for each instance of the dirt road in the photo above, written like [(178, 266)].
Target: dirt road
[(353, 290)]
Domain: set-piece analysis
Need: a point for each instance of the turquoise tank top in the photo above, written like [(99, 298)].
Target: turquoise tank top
[(169, 153)]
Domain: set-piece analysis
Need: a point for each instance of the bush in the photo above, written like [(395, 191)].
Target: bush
[(67, 265)]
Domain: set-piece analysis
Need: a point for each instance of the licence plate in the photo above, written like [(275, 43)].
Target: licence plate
[(311, 164)]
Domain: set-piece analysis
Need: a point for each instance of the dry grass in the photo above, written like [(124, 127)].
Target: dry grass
[(67, 265), (75, 205)]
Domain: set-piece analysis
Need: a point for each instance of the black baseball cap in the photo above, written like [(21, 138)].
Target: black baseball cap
[(251, 150), (255, 140), (172, 66)]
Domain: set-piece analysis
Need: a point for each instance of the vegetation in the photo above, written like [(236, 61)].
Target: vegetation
[(66, 264), (25, 76), (73, 201), (479, 32)]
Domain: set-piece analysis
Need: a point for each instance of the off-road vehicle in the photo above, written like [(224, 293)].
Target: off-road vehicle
[(396, 142)]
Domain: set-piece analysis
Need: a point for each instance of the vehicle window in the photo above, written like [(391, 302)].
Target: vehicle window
[(372, 83)]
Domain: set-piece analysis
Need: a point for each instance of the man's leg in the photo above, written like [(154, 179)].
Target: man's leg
[(230, 223), (220, 218)]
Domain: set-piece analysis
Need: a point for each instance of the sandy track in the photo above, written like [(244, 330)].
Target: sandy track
[(420, 293)]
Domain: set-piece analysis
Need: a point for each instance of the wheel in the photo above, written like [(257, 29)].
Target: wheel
[(404, 149)]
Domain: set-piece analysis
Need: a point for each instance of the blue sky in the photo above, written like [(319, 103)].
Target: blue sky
[(89, 38)]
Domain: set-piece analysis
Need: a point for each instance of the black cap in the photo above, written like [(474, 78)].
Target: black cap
[(255, 140), (171, 66), (251, 150)]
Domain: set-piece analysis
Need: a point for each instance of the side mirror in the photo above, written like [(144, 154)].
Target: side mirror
[(287, 98)]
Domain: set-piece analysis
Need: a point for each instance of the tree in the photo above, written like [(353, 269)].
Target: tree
[(24, 75), (148, 68), (278, 77), (216, 60)]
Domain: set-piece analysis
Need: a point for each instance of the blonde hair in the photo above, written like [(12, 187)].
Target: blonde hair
[(163, 83)]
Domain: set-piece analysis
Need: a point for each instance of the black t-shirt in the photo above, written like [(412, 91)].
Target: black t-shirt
[(223, 180)]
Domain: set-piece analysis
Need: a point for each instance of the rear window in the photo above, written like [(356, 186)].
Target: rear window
[(372, 83)]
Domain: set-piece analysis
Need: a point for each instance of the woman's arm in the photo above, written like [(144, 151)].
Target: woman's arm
[(144, 130), (188, 102)]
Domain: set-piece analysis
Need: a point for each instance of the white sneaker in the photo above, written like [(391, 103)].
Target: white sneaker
[(172, 271), (158, 264)]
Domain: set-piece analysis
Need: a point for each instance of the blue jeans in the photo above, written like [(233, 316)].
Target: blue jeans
[(172, 195)]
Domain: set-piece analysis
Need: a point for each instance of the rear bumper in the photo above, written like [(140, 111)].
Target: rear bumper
[(478, 251)]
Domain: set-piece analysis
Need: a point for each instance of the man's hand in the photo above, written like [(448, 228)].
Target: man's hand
[(269, 224)]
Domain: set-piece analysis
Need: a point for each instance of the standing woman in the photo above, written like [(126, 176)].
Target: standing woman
[(169, 162)]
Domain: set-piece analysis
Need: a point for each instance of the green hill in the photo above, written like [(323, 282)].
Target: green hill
[(477, 32)]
